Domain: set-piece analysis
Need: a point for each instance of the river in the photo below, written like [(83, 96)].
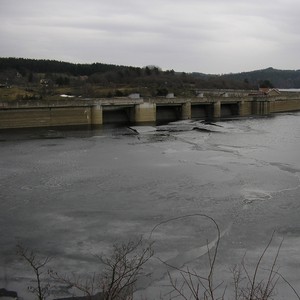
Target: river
[(71, 194)]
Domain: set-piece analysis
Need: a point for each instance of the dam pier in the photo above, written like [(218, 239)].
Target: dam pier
[(137, 110)]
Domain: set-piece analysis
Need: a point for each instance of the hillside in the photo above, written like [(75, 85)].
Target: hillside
[(32, 79), (278, 78)]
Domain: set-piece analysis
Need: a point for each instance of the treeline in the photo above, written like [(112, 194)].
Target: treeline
[(157, 81), (24, 65), (152, 77)]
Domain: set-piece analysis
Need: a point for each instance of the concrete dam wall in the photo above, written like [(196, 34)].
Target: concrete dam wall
[(44, 117), (138, 111)]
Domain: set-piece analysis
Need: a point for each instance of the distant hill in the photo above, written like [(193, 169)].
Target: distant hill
[(21, 71), (278, 78)]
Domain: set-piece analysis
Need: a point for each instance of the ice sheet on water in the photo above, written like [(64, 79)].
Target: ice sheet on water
[(143, 129), (187, 125), (176, 126), (190, 125), (251, 195)]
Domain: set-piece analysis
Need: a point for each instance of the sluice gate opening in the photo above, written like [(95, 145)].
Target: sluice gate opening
[(229, 110), (118, 114), (168, 113), (201, 111)]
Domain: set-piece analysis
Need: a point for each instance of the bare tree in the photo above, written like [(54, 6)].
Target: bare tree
[(192, 285), (123, 268), (87, 284), (121, 271), (258, 286), (37, 264)]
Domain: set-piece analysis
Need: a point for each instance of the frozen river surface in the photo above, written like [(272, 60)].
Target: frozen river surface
[(72, 194)]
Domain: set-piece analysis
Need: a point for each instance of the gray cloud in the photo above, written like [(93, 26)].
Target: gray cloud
[(193, 35)]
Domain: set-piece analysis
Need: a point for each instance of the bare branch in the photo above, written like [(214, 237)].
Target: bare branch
[(86, 285), (288, 283), (187, 276), (257, 266), (37, 264)]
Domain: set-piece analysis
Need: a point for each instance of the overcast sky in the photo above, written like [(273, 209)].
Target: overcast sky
[(209, 36)]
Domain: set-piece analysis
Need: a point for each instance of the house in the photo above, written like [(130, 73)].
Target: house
[(170, 95), (224, 94), (44, 82), (134, 96), (269, 91), (262, 92)]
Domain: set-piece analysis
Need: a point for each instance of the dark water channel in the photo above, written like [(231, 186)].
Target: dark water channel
[(72, 194)]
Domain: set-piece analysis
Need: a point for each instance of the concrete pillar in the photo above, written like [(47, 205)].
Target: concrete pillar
[(267, 108), (256, 107), (242, 110), (145, 112), (261, 108), (186, 111), (217, 110), (96, 115)]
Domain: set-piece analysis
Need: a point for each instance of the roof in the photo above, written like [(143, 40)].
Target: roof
[(268, 91)]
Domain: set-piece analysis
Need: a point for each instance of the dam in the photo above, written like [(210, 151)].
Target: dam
[(137, 110)]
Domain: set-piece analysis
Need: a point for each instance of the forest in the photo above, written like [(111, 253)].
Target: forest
[(36, 78)]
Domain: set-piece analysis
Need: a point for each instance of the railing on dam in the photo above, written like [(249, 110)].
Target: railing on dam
[(39, 113)]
